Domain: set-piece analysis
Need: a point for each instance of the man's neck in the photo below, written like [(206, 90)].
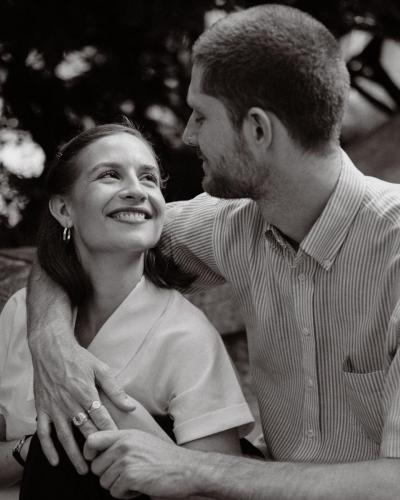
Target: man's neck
[(299, 192)]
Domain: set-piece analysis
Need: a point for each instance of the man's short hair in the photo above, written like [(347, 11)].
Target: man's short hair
[(282, 60)]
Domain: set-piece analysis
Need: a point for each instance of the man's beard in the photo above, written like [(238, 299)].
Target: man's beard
[(221, 187), (242, 183)]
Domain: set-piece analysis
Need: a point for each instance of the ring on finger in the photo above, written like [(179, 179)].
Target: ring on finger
[(96, 404), (79, 419)]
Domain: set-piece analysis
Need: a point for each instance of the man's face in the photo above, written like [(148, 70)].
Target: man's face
[(228, 164)]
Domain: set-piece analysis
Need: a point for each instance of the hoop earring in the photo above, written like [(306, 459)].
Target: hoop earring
[(66, 234)]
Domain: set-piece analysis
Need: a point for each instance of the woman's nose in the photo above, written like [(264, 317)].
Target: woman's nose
[(133, 189)]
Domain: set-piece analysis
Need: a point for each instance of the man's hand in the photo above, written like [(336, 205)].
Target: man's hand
[(136, 461), (64, 389), (65, 374)]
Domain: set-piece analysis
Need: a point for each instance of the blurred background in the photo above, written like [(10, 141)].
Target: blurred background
[(66, 66)]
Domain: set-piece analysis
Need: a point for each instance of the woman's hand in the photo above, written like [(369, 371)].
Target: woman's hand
[(65, 374)]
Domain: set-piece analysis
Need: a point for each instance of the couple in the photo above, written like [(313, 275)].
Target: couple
[(312, 254)]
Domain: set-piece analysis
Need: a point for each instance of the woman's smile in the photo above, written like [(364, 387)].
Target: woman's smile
[(130, 215)]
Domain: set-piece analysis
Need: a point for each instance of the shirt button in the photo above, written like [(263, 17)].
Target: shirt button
[(302, 277), (306, 331), (310, 382), (327, 262), (310, 433)]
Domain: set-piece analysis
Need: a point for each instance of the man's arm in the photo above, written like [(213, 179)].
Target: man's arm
[(65, 374), (133, 460)]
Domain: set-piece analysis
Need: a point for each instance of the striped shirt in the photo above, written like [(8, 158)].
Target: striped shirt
[(323, 323)]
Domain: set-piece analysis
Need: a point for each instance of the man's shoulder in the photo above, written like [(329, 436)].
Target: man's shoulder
[(205, 207), (382, 201)]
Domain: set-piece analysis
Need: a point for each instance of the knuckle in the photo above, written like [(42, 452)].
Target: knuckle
[(125, 448), (102, 421), (64, 436), (42, 433), (95, 469), (103, 481)]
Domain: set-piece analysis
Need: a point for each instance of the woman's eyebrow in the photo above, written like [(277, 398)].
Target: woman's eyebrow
[(104, 164), (149, 166), (112, 164)]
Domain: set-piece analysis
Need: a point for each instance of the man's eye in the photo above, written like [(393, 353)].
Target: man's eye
[(199, 119)]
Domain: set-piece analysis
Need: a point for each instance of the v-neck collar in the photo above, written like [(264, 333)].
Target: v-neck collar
[(123, 333)]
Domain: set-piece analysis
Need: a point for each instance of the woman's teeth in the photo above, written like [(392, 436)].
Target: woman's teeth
[(129, 216)]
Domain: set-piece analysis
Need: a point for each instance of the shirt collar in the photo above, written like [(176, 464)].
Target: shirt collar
[(329, 232), (124, 332)]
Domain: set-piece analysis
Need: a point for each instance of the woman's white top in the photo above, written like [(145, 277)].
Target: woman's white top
[(161, 349)]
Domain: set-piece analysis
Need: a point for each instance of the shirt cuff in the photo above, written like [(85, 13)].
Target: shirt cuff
[(216, 421)]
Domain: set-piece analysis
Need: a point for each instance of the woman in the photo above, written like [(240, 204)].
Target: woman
[(98, 241)]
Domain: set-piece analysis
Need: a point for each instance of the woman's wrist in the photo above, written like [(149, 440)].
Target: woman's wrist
[(21, 448), (25, 448)]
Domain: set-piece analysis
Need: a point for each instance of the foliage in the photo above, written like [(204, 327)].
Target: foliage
[(65, 66)]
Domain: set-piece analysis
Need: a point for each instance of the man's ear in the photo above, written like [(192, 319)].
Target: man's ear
[(258, 127), (60, 210)]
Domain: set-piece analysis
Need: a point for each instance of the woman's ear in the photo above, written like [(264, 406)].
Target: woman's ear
[(258, 127), (59, 209)]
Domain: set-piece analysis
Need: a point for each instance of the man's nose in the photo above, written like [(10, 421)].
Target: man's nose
[(189, 135)]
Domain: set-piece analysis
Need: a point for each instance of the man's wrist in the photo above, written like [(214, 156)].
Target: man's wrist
[(205, 473)]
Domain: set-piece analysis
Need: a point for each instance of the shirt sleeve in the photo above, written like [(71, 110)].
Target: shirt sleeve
[(206, 396), (7, 318), (390, 401), (188, 239), (4, 343), (16, 372)]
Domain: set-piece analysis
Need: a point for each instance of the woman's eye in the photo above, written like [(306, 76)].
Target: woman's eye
[(151, 178), (109, 173)]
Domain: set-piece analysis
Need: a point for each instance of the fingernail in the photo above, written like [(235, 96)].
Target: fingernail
[(82, 470), (130, 401)]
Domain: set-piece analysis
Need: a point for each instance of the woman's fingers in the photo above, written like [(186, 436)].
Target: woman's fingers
[(68, 442), (112, 390), (44, 435)]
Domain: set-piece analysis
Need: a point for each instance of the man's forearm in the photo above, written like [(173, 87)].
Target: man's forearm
[(226, 477), (48, 308)]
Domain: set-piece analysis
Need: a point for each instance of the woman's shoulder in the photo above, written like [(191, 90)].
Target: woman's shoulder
[(186, 318), (12, 325), (15, 306)]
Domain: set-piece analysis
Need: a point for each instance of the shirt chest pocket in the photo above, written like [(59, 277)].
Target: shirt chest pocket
[(364, 393)]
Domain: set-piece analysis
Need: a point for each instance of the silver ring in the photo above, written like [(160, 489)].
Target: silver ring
[(96, 404), (79, 419)]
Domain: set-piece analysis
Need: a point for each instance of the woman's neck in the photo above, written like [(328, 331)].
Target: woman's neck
[(112, 278)]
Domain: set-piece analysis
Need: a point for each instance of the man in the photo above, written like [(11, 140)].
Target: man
[(313, 258)]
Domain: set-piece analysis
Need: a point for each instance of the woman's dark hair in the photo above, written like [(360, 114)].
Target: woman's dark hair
[(57, 257)]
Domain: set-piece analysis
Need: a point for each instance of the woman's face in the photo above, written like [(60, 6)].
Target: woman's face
[(116, 202)]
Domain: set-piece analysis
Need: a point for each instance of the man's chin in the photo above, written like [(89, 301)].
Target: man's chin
[(219, 188)]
